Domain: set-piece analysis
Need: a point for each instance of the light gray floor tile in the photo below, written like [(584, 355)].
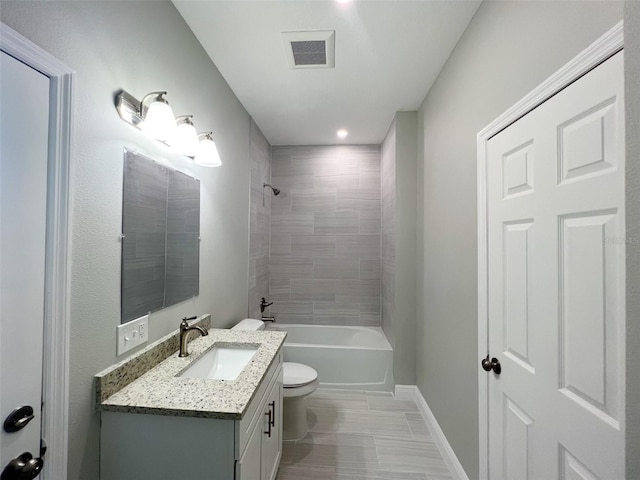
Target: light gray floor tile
[(335, 455), (287, 452), (343, 439), (349, 441), (379, 394), (340, 393), (391, 404), (374, 423), (410, 456), (374, 474), (322, 419), (307, 472), (337, 399), (418, 427)]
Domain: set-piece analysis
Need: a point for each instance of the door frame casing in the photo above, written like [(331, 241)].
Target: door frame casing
[(55, 388), (599, 51)]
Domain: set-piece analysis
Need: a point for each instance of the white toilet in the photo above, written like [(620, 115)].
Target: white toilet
[(298, 381)]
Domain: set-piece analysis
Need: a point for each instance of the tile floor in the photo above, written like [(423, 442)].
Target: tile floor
[(356, 435)]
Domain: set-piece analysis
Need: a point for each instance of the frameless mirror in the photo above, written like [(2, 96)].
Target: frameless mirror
[(161, 237)]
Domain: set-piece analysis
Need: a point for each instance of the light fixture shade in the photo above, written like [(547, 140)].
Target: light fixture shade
[(185, 138), (207, 155), (159, 121)]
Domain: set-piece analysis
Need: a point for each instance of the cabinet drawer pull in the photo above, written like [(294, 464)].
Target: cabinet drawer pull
[(268, 432), (272, 417)]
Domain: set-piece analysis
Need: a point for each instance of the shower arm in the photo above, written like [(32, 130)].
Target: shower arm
[(275, 191)]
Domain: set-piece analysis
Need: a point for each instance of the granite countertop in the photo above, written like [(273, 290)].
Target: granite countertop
[(160, 391)]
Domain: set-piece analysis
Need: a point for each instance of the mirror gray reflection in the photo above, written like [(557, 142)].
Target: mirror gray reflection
[(161, 227)]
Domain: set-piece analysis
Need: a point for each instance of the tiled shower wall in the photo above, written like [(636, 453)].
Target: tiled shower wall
[(260, 219), (324, 266)]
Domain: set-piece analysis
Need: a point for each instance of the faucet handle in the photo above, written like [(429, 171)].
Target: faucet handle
[(264, 304), (185, 319)]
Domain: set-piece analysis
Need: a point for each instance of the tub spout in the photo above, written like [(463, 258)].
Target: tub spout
[(272, 318)]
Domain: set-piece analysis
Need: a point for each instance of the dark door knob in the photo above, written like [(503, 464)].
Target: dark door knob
[(24, 467), (18, 419), (493, 364)]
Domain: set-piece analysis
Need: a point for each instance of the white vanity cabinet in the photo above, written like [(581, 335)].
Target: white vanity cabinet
[(170, 447), (263, 448)]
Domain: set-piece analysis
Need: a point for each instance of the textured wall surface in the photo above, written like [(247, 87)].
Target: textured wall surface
[(260, 221), (485, 75), (128, 45), (404, 355), (399, 243), (632, 101), (324, 266), (388, 229)]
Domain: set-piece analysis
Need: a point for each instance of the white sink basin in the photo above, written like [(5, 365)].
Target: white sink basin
[(223, 362)]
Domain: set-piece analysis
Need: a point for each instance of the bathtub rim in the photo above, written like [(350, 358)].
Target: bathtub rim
[(379, 330)]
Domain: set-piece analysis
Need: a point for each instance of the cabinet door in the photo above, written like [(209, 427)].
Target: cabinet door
[(248, 467), (272, 440)]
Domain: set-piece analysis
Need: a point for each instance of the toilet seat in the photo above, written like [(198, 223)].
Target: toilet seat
[(297, 375)]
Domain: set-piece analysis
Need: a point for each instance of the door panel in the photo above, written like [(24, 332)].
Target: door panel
[(517, 432), (516, 292), (556, 249), (24, 128), (586, 277)]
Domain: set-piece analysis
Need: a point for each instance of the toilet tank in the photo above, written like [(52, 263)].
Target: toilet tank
[(249, 324)]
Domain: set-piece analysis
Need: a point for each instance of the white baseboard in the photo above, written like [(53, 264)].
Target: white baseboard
[(411, 392)]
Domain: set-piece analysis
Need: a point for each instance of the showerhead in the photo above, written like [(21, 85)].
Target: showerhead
[(275, 191)]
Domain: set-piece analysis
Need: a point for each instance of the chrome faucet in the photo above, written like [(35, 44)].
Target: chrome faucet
[(272, 318), (184, 334)]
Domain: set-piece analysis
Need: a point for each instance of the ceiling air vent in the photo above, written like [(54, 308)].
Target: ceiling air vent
[(310, 49)]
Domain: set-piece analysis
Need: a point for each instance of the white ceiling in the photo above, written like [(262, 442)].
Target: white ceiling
[(387, 56)]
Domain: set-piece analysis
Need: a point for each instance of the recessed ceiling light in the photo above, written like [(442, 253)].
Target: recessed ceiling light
[(342, 133), (343, 1)]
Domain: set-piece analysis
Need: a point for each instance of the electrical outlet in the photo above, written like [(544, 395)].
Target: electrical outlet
[(132, 334)]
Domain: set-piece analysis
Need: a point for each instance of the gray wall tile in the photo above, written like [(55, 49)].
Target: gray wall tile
[(313, 245), (313, 290), (325, 231), (343, 222), (336, 268)]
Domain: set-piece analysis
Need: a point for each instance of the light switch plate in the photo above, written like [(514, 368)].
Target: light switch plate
[(132, 334)]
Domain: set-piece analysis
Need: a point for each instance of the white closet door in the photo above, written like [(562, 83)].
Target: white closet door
[(556, 236)]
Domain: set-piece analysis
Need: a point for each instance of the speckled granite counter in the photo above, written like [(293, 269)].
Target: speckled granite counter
[(160, 391)]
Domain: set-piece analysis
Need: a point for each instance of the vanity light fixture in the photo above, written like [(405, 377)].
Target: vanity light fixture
[(158, 120), (342, 133), (185, 138), (207, 155), (154, 116)]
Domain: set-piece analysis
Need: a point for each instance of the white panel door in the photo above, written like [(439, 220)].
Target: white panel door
[(556, 285), (24, 126)]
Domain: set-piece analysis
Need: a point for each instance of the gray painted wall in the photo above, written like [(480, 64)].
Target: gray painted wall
[(399, 243), (406, 245), (324, 266), (114, 45), (260, 221), (632, 101), (388, 196), (489, 70)]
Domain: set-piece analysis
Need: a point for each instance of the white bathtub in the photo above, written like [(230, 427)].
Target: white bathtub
[(358, 358)]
